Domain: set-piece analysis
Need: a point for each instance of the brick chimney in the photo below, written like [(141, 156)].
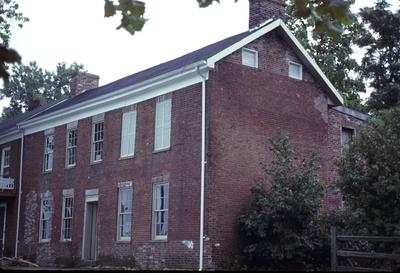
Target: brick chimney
[(262, 10), (33, 104), (82, 81)]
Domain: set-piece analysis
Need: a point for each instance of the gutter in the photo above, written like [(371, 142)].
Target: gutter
[(19, 192), (120, 95), (203, 165)]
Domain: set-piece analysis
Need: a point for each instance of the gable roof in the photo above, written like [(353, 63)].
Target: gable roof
[(175, 70)]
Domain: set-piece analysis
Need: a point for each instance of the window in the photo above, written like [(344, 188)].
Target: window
[(97, 138), (163, 123), (67, 210), (124, 212), (295, 71), (5, 162), (128, 134), (250, 57), (346, 136), (45, 215), (72, 142), (160, 211), (48, 152)]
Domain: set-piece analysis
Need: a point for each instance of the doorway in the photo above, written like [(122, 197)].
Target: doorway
[(90, 232), (3, 211)]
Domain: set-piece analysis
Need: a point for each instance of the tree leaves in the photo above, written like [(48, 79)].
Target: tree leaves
[(381, 62), (7, 55), (369, 172), (282, 230), (30, 82), (132, 14)]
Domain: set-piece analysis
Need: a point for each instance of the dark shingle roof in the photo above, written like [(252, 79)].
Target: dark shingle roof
[(12, 122), (158, 70)]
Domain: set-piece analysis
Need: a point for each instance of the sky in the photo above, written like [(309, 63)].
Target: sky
[(77, 31)]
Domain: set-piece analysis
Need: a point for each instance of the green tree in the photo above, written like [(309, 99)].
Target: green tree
[(30, 82), (381, 62), (369, 180), (9, 15), (333, 56), (282, 230)]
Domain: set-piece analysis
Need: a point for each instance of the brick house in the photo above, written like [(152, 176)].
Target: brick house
[(155, 168)]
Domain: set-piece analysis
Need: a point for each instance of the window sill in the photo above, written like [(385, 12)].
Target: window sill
[(162, 150), (158, 241), (44, 241), (70, 167), (126, 157), (47, 172), (66, 241), (123, 241), (96, 162)]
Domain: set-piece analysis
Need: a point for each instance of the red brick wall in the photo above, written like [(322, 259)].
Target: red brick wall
[(246, 107), (181, 163), (337, 120), (10, 197)]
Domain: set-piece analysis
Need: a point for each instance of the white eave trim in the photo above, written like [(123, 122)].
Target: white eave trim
[(334, 96), (10, 136), (142, 91)]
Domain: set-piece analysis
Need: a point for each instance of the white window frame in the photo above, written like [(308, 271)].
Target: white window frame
[(155, 211), (48, 155), (42, 220), (300, 77), (68, 147), (97, 120), (254, 54), (128, 134), (122, 187), (67, 194), (3, 160), (162, 132)]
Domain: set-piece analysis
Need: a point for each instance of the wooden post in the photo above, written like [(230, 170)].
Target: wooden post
[(333, 249)]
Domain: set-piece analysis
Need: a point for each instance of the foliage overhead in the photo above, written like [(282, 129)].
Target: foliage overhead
[(30, 82), (327, 15), (131, 11), (381, 62), (282, 230), (9, 15), (333, 56), (369, 180)]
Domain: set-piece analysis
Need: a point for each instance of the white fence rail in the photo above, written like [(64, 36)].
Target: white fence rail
[(6, 183)]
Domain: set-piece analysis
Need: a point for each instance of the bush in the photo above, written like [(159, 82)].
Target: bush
[(282, 231)]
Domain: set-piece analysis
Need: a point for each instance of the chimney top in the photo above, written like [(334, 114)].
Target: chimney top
[(82, 81), (262, 10)]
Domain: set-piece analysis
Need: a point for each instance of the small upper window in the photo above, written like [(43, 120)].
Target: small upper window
[(295, 71), (97, 138), (5, 162), (72, 142), (250, 57), (48, 152)]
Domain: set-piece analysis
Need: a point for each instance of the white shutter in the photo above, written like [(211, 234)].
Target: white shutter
[(132, 133), (167, 124), (128, 133), (159, 125)]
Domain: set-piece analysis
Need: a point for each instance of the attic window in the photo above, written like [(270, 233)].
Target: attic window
[(295, 71), (250, 57)]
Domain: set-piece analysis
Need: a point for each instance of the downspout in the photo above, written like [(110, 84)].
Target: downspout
[(19, 192), (203, 165)]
